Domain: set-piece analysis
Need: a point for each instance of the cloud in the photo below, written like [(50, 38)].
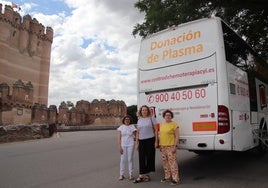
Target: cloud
[(109, 56)]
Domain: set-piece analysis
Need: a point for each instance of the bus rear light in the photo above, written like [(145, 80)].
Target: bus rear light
[(223, 119)]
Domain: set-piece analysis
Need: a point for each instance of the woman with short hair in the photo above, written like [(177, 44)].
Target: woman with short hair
[(168, 141)]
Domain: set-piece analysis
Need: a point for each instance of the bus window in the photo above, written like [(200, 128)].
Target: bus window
[(252, 93), (263, 100), (240, 54)]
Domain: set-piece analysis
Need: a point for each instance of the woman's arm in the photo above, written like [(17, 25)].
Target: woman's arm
[(156, 144), (176, 136), (176, 139), (137, 140), (119, 142)]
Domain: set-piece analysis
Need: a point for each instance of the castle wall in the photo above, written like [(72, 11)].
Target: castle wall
[(18, 108), (103, 121), (18, 115), (7, 117), (39, 114), (22, 115), (52, 114), (63, 116)]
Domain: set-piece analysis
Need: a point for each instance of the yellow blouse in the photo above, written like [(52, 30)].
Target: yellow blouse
[(167, 133)]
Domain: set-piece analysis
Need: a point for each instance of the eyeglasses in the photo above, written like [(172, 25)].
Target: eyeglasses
[(168, 115)]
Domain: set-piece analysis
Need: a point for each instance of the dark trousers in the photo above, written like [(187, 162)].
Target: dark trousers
[(147, 155)]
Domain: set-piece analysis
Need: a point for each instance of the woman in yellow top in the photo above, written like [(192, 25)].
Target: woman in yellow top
[(168, 140)]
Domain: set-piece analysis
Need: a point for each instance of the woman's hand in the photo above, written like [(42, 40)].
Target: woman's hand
[(120, 150), (137, 146), (174, 149)]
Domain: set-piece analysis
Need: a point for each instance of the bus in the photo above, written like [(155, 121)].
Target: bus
[(213, 81)]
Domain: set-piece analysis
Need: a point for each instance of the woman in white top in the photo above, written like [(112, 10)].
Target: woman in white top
[(146, 142), (126, 143)]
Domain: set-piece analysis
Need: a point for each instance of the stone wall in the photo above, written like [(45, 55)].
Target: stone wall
[(13, 133)]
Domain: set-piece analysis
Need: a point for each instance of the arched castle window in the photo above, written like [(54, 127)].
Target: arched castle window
[(14, 33)]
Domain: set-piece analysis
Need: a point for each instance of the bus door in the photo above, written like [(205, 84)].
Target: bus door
[(240, 108), (242, 133)]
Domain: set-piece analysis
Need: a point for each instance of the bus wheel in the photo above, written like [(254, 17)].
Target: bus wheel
[(263, 138)]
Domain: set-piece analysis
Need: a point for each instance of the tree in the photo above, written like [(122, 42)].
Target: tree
[(249, 18), (132, 110), (69, 104)]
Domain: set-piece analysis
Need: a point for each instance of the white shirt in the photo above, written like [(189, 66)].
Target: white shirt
[(145, 127), (127, 134)]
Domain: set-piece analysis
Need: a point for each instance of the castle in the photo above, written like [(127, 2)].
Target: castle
[(25, 49)]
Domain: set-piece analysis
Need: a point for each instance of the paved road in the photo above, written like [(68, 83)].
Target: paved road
[(90, 159)]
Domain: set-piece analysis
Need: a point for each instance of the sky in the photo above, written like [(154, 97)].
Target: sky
[(94, 54)]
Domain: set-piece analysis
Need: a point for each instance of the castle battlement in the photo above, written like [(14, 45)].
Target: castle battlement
[(27, 23)]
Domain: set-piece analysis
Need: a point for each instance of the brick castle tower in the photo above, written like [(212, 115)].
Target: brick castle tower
[(25, 48)]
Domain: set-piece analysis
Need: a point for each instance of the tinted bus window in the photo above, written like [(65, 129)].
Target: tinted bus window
[(241, 55)]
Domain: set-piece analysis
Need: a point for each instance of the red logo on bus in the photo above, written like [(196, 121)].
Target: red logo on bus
[(150, 99)]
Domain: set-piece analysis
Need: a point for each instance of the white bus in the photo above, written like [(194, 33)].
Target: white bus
[(215, 84)]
